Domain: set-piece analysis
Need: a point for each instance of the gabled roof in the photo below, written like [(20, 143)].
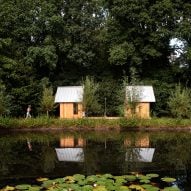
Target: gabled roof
[(69, 94), (140, 93)]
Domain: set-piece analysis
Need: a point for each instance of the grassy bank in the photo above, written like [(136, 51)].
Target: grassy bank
[(94, 124)]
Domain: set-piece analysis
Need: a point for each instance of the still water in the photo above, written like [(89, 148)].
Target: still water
[(28, 155)]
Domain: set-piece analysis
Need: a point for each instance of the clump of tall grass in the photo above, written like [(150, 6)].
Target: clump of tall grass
[(129, 122)]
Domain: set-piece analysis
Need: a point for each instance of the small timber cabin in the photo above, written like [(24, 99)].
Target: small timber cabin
[(138, 99), (70, 100)]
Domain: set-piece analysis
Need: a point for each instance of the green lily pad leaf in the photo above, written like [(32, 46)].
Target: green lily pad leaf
[(171, 189), (152, 175), (63, 186), (123, 188), (69, 179), (107, 176), (168, 179), (110, 187), (23, 187), (48, 183), (119, 180), (34, 188), (109, 183), (8, 188), (100, 188), (92, 179), (78, 177), (59, 180), (56, 189), (146, 185), (141, 177), (87, 188), (74, 187), (100, 183), (41, 179), (130, 177), (144, 181), (82, 182), (136, 187), (150, 187)]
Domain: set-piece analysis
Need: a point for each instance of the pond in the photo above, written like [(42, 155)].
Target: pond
[(26, 156)]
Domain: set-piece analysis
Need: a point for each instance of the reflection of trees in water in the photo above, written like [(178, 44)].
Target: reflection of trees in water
[(103, 157), (4, 158), (173, 152), (133, 144), (48, 159), (16, 159), (130, 164), (106, 154)]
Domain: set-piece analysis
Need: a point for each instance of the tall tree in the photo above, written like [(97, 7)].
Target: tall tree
[(139, 33), (182, 62), (47, 101), (77, 42), (90, 100)]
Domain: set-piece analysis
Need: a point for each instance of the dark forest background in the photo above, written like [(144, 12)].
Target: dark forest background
[(60, 42)]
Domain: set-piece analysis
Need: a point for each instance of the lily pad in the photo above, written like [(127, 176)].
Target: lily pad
[(123, 188), (91, 179), (41, 179), (69, 179), (130, 177), (48, 183), (87, 188), (78, 177), (146, 181), (100, 188), (168, 179), (152, 175), (119, 180), (171, 189), (8, 188), (23, 187), (35, 188), (150, 187), (137, 187), (143, 177), (107, 176)]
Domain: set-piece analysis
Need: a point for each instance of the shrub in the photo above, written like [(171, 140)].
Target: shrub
[(179, 102)]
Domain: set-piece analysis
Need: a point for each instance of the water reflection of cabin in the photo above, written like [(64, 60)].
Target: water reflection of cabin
[(71, 149), (141, 97), (139, 150), (71, 142), (70, 101)]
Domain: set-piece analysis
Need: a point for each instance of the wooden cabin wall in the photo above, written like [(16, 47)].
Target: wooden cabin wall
[(67, 111)]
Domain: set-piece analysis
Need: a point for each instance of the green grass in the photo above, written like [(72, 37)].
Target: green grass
[(93, 124)]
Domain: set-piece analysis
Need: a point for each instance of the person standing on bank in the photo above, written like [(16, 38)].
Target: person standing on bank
[(28, 115)]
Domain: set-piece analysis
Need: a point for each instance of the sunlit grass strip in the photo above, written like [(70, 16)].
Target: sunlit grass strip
[(94, 124)]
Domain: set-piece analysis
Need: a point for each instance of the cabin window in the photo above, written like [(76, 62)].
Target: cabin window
[(75, 108)]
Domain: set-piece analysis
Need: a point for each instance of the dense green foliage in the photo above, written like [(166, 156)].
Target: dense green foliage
[(89, 101), (65, 41), (47, 102), (179, 102)]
